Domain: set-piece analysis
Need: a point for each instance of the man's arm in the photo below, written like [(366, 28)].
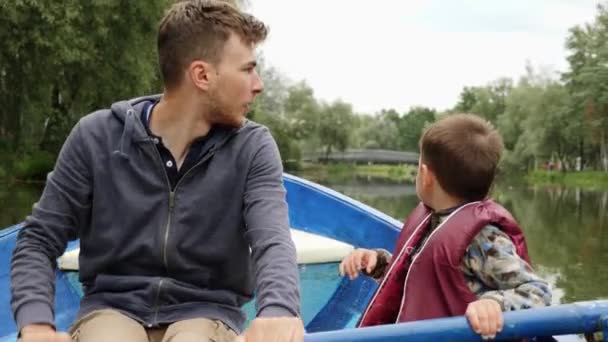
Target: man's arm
[(267, 231), (503, 276), (63, 206)]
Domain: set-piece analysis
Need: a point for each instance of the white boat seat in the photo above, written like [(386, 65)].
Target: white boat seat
[(311, 249)]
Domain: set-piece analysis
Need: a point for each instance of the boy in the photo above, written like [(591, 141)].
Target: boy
[(459, 253)]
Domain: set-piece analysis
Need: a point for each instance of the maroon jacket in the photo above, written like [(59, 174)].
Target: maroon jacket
[(434, 285)]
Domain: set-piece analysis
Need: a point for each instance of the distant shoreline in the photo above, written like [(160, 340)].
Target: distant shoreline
[(337, 172)]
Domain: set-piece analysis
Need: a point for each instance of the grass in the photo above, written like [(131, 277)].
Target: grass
[(339, 172), (592, 180), (336, 172)]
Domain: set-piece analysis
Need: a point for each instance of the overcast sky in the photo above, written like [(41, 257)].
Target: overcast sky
[(379, 54)]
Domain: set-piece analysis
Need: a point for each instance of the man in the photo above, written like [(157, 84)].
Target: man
[(177, 200)]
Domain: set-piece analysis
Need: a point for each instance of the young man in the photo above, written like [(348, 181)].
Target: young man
[(458, 252), (177, 200)]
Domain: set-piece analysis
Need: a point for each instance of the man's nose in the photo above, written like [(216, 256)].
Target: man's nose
[(258, 84)]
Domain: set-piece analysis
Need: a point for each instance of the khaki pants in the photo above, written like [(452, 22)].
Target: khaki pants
[(113, 326)]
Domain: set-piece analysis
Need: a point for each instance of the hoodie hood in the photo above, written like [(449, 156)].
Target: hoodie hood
[(128, 112)]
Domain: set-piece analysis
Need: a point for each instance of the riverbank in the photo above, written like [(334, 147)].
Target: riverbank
[(589, 180), (342, 172)]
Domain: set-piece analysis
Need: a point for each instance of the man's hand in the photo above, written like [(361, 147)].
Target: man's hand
[(42, 333), (485, 317), (280, 329), (357, 260)]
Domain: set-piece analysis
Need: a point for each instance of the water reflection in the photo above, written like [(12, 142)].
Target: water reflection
[(567, 232)]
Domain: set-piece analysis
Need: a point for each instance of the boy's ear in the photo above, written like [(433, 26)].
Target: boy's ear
[(428, 177)]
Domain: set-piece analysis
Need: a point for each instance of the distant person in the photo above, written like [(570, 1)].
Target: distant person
[(459, 252), (177, 200)]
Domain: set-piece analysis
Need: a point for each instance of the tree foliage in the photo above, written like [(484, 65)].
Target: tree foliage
[(61, 59)]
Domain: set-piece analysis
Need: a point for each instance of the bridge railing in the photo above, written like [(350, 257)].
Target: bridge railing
[(575, 318), (364, 156)]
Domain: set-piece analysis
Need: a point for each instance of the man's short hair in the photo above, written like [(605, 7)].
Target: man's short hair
[(463, 151), (198, 30)]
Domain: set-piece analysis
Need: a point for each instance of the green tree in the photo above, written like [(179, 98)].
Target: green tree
[(335, 126), (303, 112), (411, 126), (361, 137), (536, 125), (60, 60), (487, 101), (587, 81), (269, 110), (467, 100), (380, 131)]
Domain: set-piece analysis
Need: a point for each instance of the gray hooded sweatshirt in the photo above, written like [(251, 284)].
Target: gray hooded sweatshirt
[(156, 254)]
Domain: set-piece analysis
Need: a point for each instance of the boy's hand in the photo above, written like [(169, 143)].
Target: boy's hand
[(357, 260), (485, 317)]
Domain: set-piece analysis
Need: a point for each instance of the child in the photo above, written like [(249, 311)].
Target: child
[(459, 253)]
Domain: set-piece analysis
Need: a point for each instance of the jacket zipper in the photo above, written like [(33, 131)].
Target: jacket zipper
[(172, 203), (172, 191), (155, 320), (168, 227)]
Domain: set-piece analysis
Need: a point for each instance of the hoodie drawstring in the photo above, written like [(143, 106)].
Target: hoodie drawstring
[(125, 143)]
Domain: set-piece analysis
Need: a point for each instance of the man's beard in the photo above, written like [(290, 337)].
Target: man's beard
[(223, 116)]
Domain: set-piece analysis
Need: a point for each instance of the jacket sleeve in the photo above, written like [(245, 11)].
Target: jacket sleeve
[(62, 208), (383, 260), (268, 234), (495, 271)]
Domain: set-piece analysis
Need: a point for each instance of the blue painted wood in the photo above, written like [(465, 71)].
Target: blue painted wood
[(320, 210), (604, 325), (576, 318)]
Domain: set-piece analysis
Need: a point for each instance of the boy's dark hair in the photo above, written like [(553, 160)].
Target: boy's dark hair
[(463, 151), (198, 30)]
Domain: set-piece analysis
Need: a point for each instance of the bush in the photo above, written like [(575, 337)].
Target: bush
[(583, 179), (292, 165), (3, 174), (34, 166)]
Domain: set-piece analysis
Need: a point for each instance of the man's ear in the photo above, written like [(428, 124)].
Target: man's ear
[(201, 74)]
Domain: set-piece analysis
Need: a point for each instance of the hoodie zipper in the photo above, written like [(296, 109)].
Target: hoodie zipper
[(172, 192), (171, 204), (167, 227), (155, 320)]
